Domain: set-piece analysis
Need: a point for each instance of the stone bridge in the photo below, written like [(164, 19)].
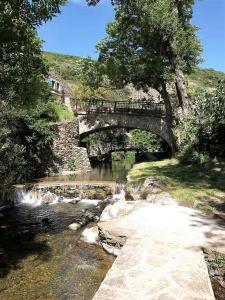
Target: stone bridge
[(97, 115), (102, 115), (91, 123)]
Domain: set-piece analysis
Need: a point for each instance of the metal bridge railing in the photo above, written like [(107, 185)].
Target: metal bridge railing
[(121, 107)]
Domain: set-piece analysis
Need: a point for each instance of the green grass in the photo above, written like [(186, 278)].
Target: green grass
[(61, 113), (205, 78), (201, 187)]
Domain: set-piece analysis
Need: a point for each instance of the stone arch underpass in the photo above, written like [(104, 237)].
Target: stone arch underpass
[(96, 122), (66, 148)]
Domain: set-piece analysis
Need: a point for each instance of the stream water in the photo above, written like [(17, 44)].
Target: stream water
[(117, 171), (40, 258)]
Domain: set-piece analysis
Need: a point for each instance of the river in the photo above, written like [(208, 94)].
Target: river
[(40, 258)]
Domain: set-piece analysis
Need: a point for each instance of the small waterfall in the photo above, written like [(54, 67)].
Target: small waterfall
[(34, 198), (31, 197), (119, 193), (116, 204), (89, 202)]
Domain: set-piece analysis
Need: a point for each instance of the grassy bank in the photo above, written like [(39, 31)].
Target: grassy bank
[(201, 187)]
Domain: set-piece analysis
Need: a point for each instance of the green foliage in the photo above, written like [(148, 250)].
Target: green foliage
[(68, 66), (71, 165), (23, 141), (147, 41), (34, 12), (205, 79), (127, 157), (145, 140), (107, 136), (21, 64), (200, 134), (24, 94), (51, 111), (60, 112)]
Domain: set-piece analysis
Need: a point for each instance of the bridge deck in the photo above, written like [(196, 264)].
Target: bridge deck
[(139, 107)]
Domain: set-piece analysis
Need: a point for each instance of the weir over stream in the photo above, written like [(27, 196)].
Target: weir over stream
[(41, 257)]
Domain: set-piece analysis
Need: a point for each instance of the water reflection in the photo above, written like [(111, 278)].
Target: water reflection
[(117, 171)]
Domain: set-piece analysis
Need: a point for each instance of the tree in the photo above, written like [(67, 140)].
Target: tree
[(151, 43), (21, 64), (23, 137)]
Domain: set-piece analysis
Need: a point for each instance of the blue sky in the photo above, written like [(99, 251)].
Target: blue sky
[(79, 27)]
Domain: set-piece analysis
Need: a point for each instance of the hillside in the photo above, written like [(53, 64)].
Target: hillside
[(71, 68), (67, 65), (205, 78), (76, 72)]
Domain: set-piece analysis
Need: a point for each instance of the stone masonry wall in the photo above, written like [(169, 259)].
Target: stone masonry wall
[(68, 156), (96, 148), (90, 190), (95, 122)]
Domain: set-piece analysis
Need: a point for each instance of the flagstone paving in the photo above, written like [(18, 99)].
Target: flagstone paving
[(162, 258)]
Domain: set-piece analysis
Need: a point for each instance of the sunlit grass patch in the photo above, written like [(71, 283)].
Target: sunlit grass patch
[(62, 113), (198, 186)]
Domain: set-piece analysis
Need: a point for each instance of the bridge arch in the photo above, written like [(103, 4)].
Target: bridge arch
[(95, 122)]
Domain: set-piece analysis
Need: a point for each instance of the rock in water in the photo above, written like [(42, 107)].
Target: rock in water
[(110, 249), (90, 235), (74, 226), (49, 198), (113, 210)]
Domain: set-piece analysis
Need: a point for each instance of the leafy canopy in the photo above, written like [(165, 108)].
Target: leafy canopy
[(143, 39)]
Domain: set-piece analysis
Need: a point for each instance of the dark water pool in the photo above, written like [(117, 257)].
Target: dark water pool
[(40, 258)]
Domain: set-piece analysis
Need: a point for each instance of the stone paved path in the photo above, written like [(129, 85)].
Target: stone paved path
[(162, 258)]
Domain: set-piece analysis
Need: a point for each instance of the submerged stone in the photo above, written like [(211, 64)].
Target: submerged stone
[(74, 226)]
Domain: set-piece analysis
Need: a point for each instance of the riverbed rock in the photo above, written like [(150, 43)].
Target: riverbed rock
[(90, 235), (110, 249), (129, 196), (111, 242), (136, 191), (74, 226), (113, 210), (162, 198), (49, 198), (95, 191)]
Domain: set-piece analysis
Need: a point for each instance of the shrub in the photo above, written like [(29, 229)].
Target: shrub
[(23, 140), (201, 133)]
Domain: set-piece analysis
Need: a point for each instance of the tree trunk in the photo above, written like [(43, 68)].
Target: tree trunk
[(180, 85), (167, 102), (169, 116), (181, 90), (179, 81)]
